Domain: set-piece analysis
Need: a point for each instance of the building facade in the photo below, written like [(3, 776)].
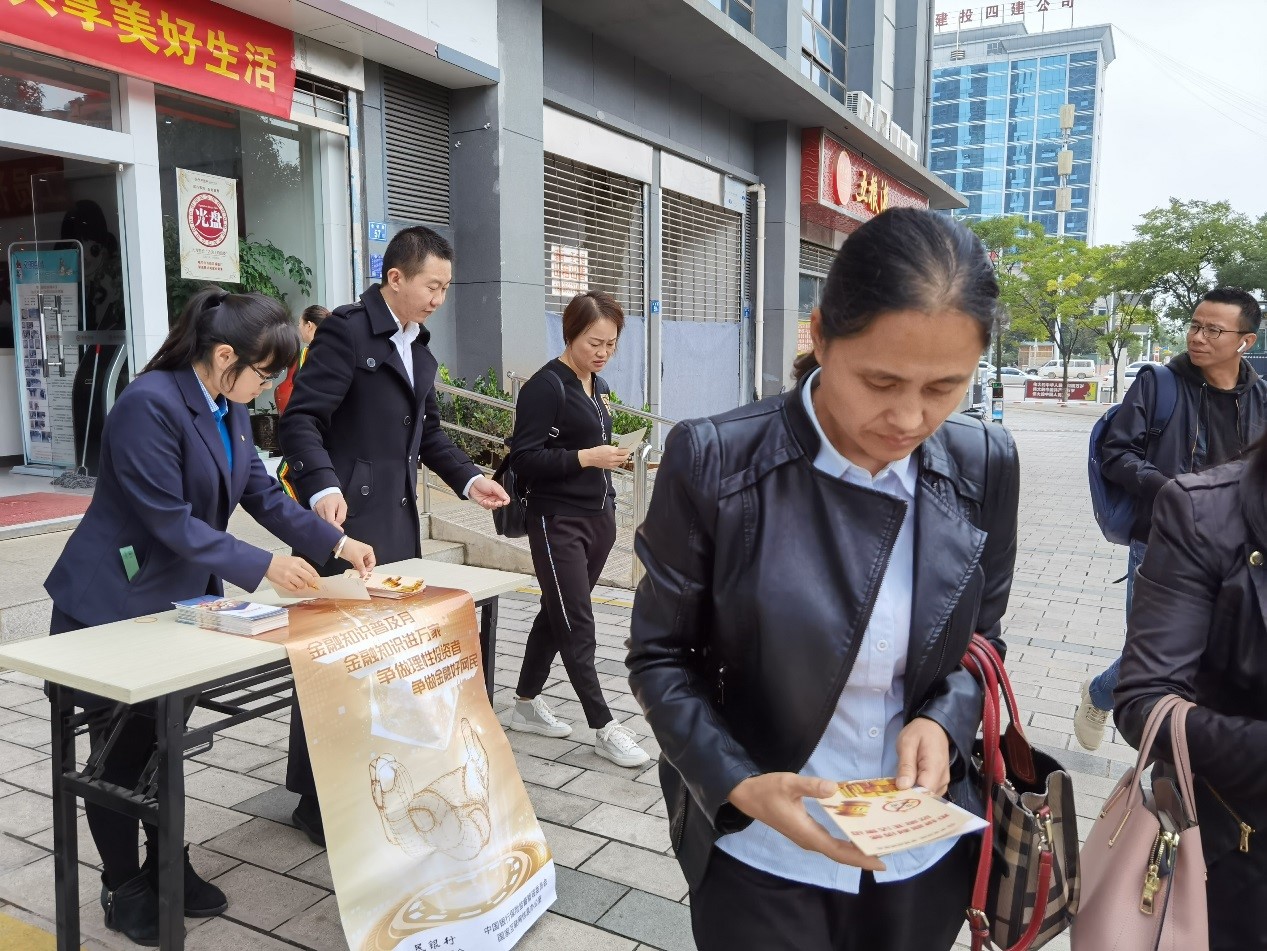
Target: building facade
[(995, 132), (700, 160)]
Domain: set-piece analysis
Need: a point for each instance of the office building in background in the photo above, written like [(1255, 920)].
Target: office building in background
[(995, 132)]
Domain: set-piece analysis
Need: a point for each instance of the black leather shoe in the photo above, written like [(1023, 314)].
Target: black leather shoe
[(132, 909), (307, 819), (202, 899)]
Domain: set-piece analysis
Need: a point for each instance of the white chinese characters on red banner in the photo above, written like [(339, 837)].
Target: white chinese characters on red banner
[(997, 12), (840, 189), (1080, 391)]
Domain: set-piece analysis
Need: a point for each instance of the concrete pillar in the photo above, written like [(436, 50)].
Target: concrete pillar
[(142, 212), (497, 201), (779, 167)]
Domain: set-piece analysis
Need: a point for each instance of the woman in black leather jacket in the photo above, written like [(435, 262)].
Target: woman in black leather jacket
[(1197, 630), (816, 564)]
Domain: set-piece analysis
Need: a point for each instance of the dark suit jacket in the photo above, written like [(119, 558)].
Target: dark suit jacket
[(355, 423), (164, 489)]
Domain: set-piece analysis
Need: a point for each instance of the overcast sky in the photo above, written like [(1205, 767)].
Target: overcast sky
[(1162, 132)]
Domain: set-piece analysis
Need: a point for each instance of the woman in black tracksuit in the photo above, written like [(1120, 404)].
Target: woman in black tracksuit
[(562, 453)]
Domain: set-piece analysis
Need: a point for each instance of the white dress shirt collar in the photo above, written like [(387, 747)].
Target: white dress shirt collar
[(403, 340)]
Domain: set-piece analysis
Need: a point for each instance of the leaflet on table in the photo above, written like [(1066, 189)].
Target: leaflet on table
[(395, 587), (348, 587), (881, 819)]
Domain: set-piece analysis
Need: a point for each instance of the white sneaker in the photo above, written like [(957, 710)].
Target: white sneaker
[(535, 716), (1089, 720), (616, 743)]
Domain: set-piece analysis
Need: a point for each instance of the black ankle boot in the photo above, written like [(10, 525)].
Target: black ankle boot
[(202, 899), (132, 908), (307, 819)]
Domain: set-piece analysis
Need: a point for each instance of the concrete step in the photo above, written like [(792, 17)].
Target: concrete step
[(437, 549)]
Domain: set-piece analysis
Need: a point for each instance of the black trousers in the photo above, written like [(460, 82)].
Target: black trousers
[(115, 834), (568, 554), (738, 907), (1236, 899)]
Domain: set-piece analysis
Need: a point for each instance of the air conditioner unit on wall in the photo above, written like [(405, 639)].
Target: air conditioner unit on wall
[(912, 148), (903, 141), (880, 119), (861, 105), (893, 133)]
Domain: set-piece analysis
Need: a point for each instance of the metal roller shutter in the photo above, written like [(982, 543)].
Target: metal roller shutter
[(703, 260), (594, 237), (416, 144), (816, 259)]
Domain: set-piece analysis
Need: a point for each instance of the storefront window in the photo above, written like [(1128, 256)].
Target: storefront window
[(56, 89), (290, 186)]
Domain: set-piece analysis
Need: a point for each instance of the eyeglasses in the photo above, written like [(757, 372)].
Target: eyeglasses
[(267, 377), (1211, 333)]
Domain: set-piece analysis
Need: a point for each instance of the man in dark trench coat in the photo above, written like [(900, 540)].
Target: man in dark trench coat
[(362, 416)]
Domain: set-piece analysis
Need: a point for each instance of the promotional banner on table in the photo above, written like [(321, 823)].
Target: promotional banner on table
[(195, 46), (432, 840), (47, 291), (208, 223)]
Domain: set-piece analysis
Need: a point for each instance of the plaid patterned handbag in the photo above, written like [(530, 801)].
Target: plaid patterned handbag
[(1026, 890)]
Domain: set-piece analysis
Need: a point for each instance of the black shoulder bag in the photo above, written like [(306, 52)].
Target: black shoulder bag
[(511, 521)]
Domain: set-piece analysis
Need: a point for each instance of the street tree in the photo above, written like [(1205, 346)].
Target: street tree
[(1052, 289), (1184, 249), (1250, 272), (1004, 239)]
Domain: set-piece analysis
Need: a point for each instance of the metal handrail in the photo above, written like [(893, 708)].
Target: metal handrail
[(474, 397), (642, 414)]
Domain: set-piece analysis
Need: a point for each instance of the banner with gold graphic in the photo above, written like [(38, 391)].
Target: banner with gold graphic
[(432, 840)]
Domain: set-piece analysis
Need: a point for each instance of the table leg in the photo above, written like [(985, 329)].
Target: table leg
[(488, 641), (170, 720), (65, 833)]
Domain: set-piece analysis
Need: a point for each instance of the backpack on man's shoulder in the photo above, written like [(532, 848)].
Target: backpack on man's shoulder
[(1114, 507)]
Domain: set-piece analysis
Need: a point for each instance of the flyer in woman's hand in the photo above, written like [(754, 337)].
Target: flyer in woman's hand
[(881, 819)]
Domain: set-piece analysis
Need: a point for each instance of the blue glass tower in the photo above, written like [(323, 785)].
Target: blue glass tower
[(995, 120)]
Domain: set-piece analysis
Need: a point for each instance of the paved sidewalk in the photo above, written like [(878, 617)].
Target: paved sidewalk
[(619, 887)]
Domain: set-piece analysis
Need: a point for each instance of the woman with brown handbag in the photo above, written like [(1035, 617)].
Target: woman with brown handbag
[(1197, 631)]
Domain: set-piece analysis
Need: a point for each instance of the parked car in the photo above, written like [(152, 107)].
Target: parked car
[(985, 371), (1129, 374), (1078, 370), (1013, 376)]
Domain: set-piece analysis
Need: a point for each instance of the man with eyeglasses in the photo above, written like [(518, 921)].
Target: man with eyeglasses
[(1220, 410)]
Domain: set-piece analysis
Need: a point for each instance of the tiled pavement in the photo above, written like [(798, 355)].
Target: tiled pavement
[(619, 888)]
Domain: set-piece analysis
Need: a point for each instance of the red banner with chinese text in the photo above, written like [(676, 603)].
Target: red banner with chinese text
[(192, 45), (840, 189)]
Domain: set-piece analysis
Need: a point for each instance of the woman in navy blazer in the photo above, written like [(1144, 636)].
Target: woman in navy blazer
[(176, 459)]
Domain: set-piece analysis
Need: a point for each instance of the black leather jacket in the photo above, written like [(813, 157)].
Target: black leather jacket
[(761, 573), (1197, 630), (1142, 469)]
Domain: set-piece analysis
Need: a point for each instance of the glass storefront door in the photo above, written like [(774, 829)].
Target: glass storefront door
[(61, 234)]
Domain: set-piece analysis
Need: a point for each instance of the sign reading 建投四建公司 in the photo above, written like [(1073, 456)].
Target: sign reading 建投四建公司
[(193, 45), (208, 208), (989, 14)]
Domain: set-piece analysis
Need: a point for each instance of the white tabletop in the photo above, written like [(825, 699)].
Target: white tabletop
[(144, 658)]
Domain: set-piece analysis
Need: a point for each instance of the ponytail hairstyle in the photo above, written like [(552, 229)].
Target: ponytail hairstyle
[(256, 326), (905, 259)]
